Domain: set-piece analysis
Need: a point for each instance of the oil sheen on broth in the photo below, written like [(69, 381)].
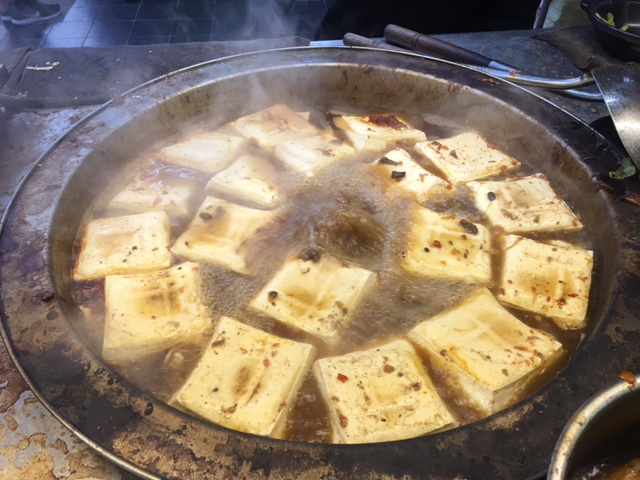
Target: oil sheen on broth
[(337, 212)]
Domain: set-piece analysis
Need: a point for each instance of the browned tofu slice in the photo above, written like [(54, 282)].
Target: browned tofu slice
[(523, 205), (447, 247), (146, 313), (218, 233), (552, 279), (466, 157), (485, 352), (126, 244), (317, 297), (380, 395), (247, 379)]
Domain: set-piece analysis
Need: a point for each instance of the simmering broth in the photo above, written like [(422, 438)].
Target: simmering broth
[(342, 211)]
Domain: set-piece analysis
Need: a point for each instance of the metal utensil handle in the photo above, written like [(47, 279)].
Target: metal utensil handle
[(354, 40), (351, 39), (427, 44)]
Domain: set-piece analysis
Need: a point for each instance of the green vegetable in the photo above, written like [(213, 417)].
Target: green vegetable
[(612, 21), (626, 170)]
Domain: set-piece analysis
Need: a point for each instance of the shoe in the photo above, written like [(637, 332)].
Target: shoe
[(27, 13)]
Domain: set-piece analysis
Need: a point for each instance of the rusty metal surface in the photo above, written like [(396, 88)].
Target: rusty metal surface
[(156, 441), (34, 445)]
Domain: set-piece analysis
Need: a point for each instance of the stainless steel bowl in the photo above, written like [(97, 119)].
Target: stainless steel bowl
[(605, 427)]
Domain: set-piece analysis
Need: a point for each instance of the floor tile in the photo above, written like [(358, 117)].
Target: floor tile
[(194, 9), (82, 14), (104, 41), (189, 38), (192, 26), (120, 2), (231, 25), (70, 30), (119, 22), (11, 42), (149, 40), (118, 12), (61, 42), (156, 11), (231, 8), (151, 28), (88, 3), (30, 32), (229, 37), (113, 32)]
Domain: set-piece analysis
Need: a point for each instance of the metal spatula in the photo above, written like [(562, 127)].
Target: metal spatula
[(620, 87)]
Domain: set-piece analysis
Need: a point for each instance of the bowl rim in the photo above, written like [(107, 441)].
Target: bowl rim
[(579, 424)]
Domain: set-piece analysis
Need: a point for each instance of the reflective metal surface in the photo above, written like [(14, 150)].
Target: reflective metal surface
[(597, 428), (620, 87), (154, 440)]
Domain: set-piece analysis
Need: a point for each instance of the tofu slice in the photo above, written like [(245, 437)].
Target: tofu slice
[(247, 379), (448, 247), (380, 395), (376, 134), (251, 179), (146, 313), (315, 297), (398, 171), (273, 126), (522, 205), (484, 351), (125, 244), (466, 157), (208, 152), (552, 280), (159, 187), (311, 154), (218, 233)]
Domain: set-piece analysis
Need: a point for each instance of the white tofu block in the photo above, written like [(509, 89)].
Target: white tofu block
[(380, 395), (126, 244), (218, 232), (552, 280), (484, 351), (376, 134), (315, 297), (309, 155), (247, 379), (398, 171), (522, 205), (250, 179), (274, 125), (145, 313), (447, 246), (208, 152), (158, 187), (466, 157)]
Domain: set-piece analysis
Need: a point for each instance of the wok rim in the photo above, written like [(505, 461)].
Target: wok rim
[(99, 447)]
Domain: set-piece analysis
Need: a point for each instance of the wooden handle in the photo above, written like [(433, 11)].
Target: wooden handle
[(427, 44)]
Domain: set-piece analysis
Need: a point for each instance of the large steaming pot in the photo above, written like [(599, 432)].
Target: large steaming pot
[(156, 441)]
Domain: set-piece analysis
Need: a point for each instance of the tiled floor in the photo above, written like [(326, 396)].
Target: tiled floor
[(93, 23), (139, 22)]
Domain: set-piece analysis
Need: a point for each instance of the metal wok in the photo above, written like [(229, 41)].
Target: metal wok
[(156, 441)]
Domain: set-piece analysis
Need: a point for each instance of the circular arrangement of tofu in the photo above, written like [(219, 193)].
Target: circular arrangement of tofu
[(392, 284)]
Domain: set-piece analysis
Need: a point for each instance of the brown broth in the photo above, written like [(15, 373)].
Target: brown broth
[(337, 213)]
